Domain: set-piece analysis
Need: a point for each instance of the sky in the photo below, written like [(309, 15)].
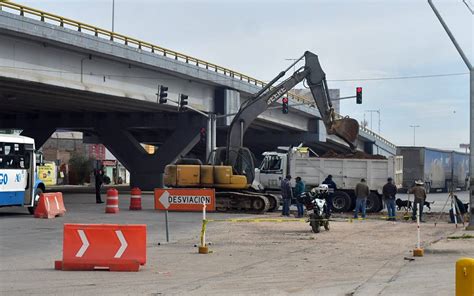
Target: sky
[(354, 40)]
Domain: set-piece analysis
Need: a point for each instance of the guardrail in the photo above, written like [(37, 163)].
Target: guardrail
[(143, 45)]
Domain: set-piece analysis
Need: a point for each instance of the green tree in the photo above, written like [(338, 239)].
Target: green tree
[(80, 168)]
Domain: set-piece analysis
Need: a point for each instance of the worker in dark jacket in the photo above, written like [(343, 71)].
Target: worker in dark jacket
[(332, 187), (361, 192), (287, 195), (99, 179), (389, 191), (419, 193)]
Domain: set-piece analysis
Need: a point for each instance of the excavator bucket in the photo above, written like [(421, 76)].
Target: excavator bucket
[(347, 129)]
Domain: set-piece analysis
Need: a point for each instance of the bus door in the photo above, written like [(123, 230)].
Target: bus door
[(14, 165)]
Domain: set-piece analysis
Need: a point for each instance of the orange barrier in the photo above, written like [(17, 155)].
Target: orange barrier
[(103, 247), (135, 199), (185, 199), (111, 206), (50, 205)]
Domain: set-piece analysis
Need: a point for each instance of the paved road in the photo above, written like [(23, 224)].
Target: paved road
[(363, 257)]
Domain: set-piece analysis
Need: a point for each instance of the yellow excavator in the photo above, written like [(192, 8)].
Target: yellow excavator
[(231, 170)]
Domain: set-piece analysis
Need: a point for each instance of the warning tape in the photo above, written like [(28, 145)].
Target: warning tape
[(257, 220)]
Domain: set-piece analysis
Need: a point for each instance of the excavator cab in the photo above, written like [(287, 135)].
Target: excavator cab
[(241, 160), (346, 128)]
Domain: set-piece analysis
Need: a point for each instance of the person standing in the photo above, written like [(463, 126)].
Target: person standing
[(299, 189), (332, 187), (99, 179), (361, 192), (389, 191), (419, 194), (287, 195)]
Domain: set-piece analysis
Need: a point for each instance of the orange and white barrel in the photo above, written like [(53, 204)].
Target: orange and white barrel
[(135, 199), (111, 206)]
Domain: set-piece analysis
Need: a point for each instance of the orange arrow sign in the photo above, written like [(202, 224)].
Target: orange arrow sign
[(184, 199), (104, 245)]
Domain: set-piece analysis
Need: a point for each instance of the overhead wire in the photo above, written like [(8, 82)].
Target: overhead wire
[(169, 78)]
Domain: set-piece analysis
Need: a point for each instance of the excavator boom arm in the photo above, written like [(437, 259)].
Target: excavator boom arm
[(346, 128)]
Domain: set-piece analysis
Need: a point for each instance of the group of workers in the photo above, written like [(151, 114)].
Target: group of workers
[(287, 194), (361, 191)]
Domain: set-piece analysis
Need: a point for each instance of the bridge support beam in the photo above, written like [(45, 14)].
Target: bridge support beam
[(40, 135), (146, 170)]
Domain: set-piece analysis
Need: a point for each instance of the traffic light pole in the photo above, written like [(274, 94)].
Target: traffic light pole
[(471, 130)]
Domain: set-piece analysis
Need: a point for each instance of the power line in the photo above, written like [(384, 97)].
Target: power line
[(163, 78), (400, 77)]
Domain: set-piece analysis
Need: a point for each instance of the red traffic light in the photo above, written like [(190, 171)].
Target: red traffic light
[(359, 95), (285, 100)]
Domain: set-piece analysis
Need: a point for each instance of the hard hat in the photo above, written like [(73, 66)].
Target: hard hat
[(419, 182)]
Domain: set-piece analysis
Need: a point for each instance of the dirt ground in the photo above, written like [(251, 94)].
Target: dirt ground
[(353, 258)]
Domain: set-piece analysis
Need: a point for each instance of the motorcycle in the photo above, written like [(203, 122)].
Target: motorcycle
[(316, 207)]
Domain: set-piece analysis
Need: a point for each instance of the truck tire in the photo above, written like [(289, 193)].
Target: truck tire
[(341, 202), (374, 203)]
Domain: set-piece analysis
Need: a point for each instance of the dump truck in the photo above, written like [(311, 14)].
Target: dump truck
[(231, 169), (438, 169), (346, 170)]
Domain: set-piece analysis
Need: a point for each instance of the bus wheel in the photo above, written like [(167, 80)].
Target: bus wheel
[(38, 193)]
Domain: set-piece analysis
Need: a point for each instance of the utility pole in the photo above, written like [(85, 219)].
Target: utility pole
[(372, 111), (471, 130), (113, 15), (414, 133)]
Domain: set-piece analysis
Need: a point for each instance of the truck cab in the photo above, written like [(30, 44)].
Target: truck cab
[(272, 169)]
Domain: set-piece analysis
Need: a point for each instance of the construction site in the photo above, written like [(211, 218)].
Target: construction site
[(128, 168)]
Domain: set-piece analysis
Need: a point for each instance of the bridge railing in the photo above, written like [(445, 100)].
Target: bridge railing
[(143, 45), (130, 41)]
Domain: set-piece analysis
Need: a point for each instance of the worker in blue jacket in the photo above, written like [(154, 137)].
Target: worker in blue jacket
[(299, 189)]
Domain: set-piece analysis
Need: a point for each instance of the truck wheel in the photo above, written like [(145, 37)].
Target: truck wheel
[(374, 203), (38, 193), (274, 203), (341, 202)]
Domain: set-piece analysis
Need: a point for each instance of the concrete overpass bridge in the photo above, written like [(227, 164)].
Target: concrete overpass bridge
[(57, 73)]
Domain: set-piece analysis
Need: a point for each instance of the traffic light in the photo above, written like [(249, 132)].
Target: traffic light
[(183, 101), (202, 134), (359, 95), (284, 109), (163, 94)]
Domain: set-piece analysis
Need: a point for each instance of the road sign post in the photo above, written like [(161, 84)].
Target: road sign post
[(167, 229)]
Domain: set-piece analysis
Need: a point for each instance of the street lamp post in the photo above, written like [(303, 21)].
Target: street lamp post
[(372, 111), (414, 133), (113, 15), (471, 85)]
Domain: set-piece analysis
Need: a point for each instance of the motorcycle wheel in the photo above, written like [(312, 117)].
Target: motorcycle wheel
[(326, 225), (314, 224)]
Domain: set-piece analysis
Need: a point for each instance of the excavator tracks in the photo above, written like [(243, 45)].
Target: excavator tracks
[(246, 201)]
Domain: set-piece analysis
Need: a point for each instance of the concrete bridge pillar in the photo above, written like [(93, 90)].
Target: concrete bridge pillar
[(146, 170)]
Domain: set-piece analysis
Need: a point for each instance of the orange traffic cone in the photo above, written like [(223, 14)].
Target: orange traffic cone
[(112, 201), (136, 199)]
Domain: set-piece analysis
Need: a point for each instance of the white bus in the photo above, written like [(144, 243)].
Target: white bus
[(19, 184)]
